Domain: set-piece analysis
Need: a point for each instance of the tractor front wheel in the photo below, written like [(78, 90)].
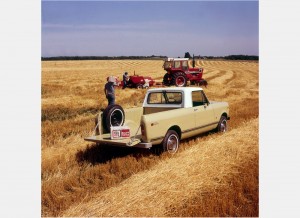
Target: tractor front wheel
[(139, 86), (179, 79), (166, 80), (203, 82)]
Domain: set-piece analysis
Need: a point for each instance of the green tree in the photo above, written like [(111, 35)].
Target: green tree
[(187, 55)]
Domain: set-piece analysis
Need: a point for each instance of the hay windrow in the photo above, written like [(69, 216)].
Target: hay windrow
[(76, 173)]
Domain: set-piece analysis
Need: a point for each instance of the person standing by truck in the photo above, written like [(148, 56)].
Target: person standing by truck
[(109, 90), (125, 80)]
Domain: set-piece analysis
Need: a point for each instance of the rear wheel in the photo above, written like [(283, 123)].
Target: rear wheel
[(171, 142), (113, 115), (179, 79)]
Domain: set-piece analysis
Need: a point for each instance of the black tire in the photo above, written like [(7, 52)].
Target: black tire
[(166, 80), (222, 126), (113, 115), (139, 86), (171, 142), (179, 79), (203, 83)]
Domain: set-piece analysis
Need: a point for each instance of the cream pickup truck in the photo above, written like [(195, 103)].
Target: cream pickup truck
[(167, 116)]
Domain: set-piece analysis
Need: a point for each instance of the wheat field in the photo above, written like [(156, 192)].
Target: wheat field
[(211, 175)]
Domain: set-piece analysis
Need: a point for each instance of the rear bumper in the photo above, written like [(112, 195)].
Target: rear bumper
[(105, 139)]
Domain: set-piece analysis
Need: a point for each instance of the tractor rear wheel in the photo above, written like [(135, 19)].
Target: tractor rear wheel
[(179, 79)]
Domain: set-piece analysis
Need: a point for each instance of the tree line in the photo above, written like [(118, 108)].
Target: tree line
[(152, 57), (57, 58), (229, 57)]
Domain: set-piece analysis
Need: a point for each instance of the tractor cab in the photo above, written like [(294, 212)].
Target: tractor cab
[(176, 64)]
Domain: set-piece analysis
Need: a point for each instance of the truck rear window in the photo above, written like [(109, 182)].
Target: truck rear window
[(165, 98)]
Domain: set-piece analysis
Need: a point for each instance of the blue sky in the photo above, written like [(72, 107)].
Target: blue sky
[(118, 28)]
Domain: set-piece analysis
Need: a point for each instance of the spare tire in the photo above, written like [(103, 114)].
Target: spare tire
[(113, 115)]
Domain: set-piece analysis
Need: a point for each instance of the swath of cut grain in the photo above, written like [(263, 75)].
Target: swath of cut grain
[(223, 76), (67, 181), (200, 169)]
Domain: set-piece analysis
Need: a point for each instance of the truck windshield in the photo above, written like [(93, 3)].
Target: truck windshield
[(165, 98)]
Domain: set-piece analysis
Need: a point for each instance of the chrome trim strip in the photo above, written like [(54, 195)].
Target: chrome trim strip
[(189, 130)]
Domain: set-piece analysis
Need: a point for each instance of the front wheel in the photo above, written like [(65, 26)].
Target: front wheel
[(139, 86), (203, 82), (171, 142), (222, 126), (167, 80)]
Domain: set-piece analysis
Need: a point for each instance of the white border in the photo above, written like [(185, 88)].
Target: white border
[(20, 162)]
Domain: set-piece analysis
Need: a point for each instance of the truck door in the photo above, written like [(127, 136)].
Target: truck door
[(203, 111)]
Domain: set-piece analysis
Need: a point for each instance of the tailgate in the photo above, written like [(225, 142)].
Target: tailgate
[(105, 139)]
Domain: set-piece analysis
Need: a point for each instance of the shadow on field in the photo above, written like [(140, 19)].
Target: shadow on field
[(96, 154)]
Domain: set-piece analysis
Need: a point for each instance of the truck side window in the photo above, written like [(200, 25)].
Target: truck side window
[(156, 98), (197, 98)]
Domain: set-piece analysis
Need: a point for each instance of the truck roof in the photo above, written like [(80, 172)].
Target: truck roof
[(189, 89), (187, 97)]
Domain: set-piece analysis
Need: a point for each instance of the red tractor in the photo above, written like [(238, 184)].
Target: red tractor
[(138, 82), (179, 73)]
